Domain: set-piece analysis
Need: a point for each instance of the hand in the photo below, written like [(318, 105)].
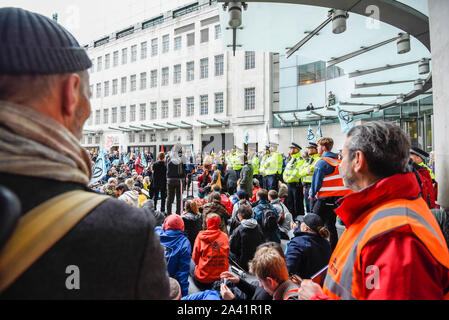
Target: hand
[(226, 293), (308, 289), (293, 226), (230, 276)]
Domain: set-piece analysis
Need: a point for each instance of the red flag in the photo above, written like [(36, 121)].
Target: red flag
[(162, 148)]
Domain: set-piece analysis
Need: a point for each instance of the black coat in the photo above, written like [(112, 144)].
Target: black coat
[(230, 179), (192, 225), (159, 174), (244, 241), (307, 253), (114, 246)]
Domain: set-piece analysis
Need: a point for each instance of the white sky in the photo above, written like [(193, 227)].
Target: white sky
[(89, 20)]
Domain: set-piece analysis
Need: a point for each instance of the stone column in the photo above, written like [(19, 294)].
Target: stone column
[(439, 39)]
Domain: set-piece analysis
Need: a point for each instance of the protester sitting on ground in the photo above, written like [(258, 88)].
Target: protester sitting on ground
[(130, 183), (44, 103), (214, 206), (175, 289), (210, 254), (224, 199), (146, 183), (309, 250), (131, 197), (109, 188), (121, 189), (159, 217), (142, 197), (193, 221), (139, 182), (285, 217), (178, 251), (201, 199), (267, 217), (271, 270), (283, 191), (256, 188), (230, 179), (245, 238), (204, 179), (242, 199)]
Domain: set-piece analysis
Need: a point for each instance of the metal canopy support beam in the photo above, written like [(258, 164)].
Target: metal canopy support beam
[(359, 52), (221, 121), (149, 127), (125, 129), (359, 73), (378, 84), (368, 95), (316, 113), (359, 104), (186, 123)]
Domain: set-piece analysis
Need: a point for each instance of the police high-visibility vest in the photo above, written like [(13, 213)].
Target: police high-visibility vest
[(333, 185), (309, 164), (273, 164), (264, 164), (344, 275), (237, 162), (255, 163), (291, 172), (422, 164)]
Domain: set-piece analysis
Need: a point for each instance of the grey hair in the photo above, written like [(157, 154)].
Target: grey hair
[(385, 146)]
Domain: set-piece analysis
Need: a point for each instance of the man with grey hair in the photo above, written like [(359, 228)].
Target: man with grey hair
[(392, 247), (110, 251)]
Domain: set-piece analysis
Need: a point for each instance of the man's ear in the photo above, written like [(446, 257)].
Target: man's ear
[(273, 283), (71, 93), (359, 162)]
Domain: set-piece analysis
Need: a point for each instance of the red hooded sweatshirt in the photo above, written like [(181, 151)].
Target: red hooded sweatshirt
[(407, 270), (210, 252)]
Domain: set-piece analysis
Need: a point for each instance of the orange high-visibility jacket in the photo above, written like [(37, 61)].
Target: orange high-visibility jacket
[(333, 185), (344, 279)]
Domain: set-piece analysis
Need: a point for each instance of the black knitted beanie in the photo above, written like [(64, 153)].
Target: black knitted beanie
[(31, 43)]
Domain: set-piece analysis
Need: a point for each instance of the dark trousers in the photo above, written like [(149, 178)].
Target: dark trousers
[(271, 183), (237, 172), (295, 199), (309, 203), (200, 285), (174, 189), (163, 191), (324, 207)]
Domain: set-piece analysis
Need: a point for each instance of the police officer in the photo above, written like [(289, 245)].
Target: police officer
[(295, 198), (263, 167), (273, 168), (418, 157), (306, 172)]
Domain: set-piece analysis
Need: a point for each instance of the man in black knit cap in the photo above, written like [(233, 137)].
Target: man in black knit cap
[(44, 102)]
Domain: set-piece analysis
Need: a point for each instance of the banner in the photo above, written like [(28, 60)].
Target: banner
[(319, 134), (310, 135), (143, 160), (346, 121), (125, 158), (99, 169)]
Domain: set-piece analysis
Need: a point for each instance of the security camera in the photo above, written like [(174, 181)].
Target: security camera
[(339, 18)]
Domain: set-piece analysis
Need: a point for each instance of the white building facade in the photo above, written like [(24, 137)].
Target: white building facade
[(169, 79)]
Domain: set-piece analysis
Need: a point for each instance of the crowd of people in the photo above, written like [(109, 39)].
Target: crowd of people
[(268, 215)]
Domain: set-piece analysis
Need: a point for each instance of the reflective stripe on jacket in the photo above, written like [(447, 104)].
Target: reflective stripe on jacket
[(333, 185), (291, 172), (309, 164), (344, 279)]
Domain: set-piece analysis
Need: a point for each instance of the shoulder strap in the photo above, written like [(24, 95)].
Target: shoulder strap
[(39, 229)]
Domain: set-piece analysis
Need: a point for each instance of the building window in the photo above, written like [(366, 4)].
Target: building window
[(132, 113), (164, 76), (153, 137), (124, 55), (98, 90), (105, 116), (115, 59), (106, 88), (97, 116), (114, 115), (123, 87), (133, 82), (176, 108), (204, 35), (142, 137), (114, 86), (154, 47), (165, 43), (219, 102), (132, 137), (190, 39), (123, 114), (107, 61), (143, 80), (177, 45), (143, 112), (133, 53), (164, 109), (217, 31), (190, 105), (250, 96), (219, 64), (99, 63), (153, 83), (190, 68), (153, 110), (97, 140), (177, 73), (204, 105), (250, 60), (143, 50), (164, 136), (190, 136), (204, 68), (89, 140)]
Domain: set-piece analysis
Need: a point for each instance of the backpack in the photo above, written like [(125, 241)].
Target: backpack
[(426, 185), (269, 219)]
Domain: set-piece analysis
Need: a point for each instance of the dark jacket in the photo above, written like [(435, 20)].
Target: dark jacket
[(307, 253), (244, 241), (258, 209), (114, 246), (175, 169), (246, 179), (193, 224), (253, 291), (159, 174), (230, 179)]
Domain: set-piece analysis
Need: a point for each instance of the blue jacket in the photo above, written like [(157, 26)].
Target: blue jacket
[(258, 210), (203, 295), (178, 254), (306, 254), (322, 168)]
